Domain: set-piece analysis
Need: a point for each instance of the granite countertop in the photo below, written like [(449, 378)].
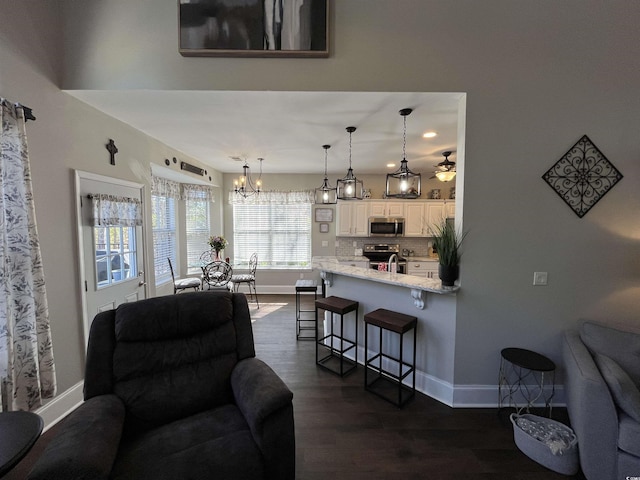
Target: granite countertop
[(331, 265), (352, 258)]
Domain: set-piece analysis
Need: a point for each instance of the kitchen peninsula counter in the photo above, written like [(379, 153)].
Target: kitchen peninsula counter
[(421, 297), (332, 265)]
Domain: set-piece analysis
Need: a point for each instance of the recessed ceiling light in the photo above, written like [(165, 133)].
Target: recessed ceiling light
[(429, 134), (391, 165)]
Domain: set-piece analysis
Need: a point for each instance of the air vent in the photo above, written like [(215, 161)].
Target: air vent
[(191, 168)]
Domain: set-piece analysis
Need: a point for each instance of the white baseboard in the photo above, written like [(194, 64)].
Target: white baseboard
[(61, 405)]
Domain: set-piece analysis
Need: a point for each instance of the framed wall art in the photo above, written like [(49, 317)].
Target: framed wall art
[(254, 28), (324, 215)]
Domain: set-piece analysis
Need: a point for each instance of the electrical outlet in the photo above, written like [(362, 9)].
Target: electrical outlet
[(301, 275), (355, 244), (539, 278), (325, 243)]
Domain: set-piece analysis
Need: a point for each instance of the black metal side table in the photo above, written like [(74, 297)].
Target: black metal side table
[(524, 376), (19, 431)]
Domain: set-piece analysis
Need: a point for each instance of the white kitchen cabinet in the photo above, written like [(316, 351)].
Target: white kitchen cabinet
[(352, 219), (423, 268), (422, 216), (415, 221), (386, 209)]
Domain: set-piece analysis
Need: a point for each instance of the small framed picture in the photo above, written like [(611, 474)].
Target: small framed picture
[(324, 215), (324, 228)]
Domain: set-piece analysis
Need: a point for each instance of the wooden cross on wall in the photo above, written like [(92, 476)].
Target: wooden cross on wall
[(112, 149)]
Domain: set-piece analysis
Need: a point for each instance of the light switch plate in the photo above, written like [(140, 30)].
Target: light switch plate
[(539, 278)]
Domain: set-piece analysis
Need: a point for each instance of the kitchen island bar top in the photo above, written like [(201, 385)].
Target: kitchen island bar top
[(330, 266)]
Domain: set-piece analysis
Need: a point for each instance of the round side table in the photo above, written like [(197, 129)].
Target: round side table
[(524, 376), (18, 433)]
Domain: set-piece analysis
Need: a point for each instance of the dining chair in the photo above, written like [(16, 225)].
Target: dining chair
[(249, 278), (182, 284), (217, 274)]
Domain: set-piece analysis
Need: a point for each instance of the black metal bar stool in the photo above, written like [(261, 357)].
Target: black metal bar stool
[(336, 345), (386, 381), (305, 286)]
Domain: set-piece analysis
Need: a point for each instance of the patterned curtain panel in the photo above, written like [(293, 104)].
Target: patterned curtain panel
[(26, 353), (197, 192), (274, 197), (111, 211), (165, 188)]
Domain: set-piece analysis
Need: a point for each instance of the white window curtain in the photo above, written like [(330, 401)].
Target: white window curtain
[(113, 211), (26, 352), (163, 187), (197, 192), (274, 197)]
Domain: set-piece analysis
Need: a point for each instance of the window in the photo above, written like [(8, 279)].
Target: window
[(115, 254), (279, 233), (164, 236), (197, 226)]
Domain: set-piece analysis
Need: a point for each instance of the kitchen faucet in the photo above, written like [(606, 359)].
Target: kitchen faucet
[(393, 260)]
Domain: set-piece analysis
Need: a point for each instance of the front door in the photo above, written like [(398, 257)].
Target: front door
[(111, 258)]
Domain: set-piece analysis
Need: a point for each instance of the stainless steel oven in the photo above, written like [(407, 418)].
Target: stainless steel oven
[(379, 253), (386, 226)]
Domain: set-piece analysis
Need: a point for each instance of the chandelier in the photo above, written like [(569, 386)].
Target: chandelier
[(244, 186), (325, 194), (349, 187), (403, 183)]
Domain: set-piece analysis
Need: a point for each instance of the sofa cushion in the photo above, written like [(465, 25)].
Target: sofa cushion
[(213, 444), (625, 393), (629, 435), (620, 345)]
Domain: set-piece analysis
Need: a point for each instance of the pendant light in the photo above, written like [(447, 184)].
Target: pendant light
[(349, 187), (403, 183), (325, 194), (244, 186)]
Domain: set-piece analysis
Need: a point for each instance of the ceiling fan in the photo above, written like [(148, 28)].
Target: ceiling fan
[(446, 170)]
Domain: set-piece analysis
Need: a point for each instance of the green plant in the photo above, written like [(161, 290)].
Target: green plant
[(447, 243)]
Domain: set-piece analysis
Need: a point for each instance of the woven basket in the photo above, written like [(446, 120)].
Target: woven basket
[(566, 463)]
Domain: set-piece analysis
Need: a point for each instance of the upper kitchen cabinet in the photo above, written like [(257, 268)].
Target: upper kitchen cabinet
[(386, 209), (352, 219), (421, 217)]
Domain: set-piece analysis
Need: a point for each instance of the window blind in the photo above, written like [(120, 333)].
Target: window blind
[(279, 233), (164, 236), (197, 229)]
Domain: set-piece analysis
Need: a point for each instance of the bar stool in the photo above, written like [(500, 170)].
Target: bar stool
[(304, 286), (385, 377), (336, 344)]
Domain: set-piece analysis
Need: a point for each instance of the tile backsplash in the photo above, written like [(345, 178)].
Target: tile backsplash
[(420, 246)]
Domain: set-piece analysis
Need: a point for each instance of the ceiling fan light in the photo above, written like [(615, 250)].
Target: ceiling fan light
[(446, 175)]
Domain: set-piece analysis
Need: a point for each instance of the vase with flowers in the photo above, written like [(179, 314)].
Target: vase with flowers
[(217, 243)]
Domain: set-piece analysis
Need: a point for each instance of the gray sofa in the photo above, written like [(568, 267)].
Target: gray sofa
[(173, 391), (603, 401)]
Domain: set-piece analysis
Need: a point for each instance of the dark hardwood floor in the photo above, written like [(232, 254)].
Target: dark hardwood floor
[(346, 433)]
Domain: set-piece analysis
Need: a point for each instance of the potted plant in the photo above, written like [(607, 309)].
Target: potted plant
[(218, 243), (447, 242)]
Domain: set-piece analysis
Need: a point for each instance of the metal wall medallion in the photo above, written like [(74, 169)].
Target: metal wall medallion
[(582, 176)]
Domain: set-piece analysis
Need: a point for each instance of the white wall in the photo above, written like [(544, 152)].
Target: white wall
[(538, 75)]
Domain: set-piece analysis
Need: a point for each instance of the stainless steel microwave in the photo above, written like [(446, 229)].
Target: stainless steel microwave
[(386, 226)]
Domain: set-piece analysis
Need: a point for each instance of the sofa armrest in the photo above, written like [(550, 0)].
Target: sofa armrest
[(266, 404), (591, 409), (86, 444)]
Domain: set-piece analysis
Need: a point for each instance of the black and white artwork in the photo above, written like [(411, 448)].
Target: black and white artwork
[(254, 28)]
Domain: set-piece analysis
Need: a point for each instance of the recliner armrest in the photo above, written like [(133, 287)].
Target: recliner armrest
[(258, 391), (266, 403), (87, 442)]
